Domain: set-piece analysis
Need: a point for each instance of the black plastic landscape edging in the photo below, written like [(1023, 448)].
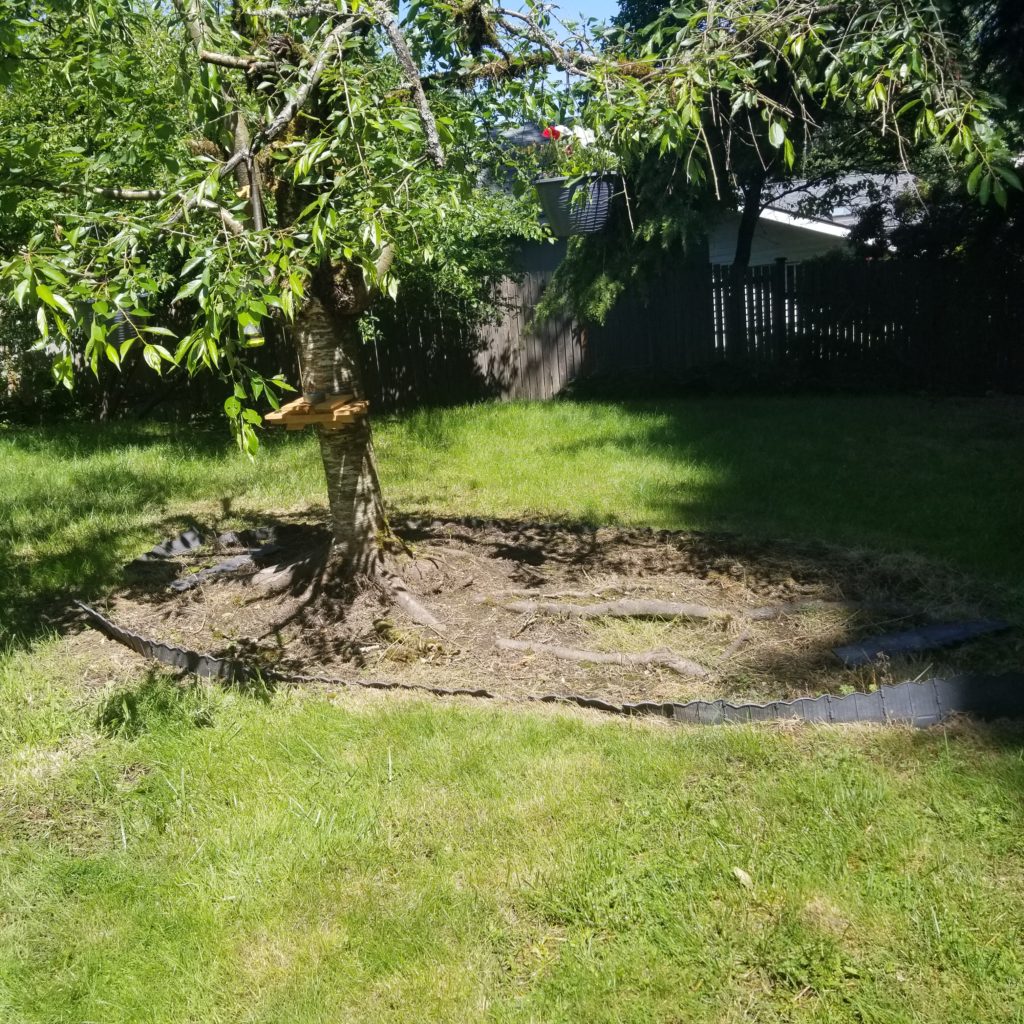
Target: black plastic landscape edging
[(916, 703)]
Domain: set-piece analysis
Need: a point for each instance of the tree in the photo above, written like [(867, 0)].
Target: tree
[(792, 124), (298, 154)]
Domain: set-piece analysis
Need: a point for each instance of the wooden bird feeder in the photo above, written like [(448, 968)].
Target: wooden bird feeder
[(336, 412)]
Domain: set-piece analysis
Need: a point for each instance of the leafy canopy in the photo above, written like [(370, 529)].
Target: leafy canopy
[(187, 169)]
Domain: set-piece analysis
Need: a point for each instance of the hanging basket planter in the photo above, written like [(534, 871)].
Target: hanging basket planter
[(577, 206)]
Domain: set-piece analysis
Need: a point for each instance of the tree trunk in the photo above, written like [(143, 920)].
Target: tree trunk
[(736, 312), (328, 350), (753, 189)]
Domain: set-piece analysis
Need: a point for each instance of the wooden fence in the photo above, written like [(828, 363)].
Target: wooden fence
[(944, 326), (426, 354)]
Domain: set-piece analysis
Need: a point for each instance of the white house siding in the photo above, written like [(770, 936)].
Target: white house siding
[(771, 240)]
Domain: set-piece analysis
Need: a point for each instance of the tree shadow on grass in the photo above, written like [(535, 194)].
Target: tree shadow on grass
[(67, 532), (153, 701), (941, 478)]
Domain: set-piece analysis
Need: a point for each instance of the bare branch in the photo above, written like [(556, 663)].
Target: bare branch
[(131, 194), (293, 13), (294, 105), (229, 60), (412, 74), (565, 60), (226, 218), (492, 70), (71, 188)]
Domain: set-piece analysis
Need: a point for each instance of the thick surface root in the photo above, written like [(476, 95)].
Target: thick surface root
[(396, 589)]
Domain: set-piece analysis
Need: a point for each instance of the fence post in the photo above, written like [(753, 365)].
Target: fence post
[(778, 283)]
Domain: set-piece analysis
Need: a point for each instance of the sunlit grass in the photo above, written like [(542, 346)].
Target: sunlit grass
[(174, 853)]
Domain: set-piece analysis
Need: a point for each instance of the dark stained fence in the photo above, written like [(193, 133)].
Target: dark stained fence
[(427, 354), (935, 325)]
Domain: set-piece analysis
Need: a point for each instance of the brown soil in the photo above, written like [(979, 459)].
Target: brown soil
[(466, 570)]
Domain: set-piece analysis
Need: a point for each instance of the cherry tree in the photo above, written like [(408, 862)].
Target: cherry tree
[(278, 165)]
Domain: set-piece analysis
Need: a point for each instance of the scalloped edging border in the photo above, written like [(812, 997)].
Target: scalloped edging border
[(920, 704)]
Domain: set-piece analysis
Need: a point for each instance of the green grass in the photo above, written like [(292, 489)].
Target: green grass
[(173, 853), (182, 854), (943, 479), (940, 478)]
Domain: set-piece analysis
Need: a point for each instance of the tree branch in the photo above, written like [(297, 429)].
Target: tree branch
[(190, 12), (236, 227), (293, 13), (108, 192), (131, 194), (404, 54), (384, 261), (294, 105), (229, 60), (565, 60)]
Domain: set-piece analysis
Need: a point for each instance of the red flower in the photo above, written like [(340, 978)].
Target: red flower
[(551, 132)]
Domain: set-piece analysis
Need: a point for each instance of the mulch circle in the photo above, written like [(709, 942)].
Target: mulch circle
[(515, 597)]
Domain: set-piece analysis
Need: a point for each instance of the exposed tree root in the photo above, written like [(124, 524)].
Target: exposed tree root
[(555, 595), (626, 608), (734, 647), (665, 658), (395, 588)]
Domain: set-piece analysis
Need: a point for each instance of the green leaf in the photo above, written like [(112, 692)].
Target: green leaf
[(973, 178), (232, 406), (152, 357), (52, 273), (63, 372), (189, 289), (56, 301), (1010, 176), (776, 134)]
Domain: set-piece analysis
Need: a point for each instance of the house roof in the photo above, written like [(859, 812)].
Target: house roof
[(837, 201)]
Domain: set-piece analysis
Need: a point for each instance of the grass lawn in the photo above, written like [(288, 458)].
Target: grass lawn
[(940, 478), (172, 853)]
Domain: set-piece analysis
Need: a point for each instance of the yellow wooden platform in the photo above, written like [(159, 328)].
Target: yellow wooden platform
[(338, 412)]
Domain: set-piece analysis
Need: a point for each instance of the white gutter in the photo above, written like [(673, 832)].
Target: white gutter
[(821, 227)]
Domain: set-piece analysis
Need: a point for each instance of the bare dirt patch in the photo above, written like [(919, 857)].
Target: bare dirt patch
[(720, 616)]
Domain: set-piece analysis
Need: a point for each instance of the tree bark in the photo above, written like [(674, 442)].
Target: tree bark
[(736, 313), (328, 350)]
